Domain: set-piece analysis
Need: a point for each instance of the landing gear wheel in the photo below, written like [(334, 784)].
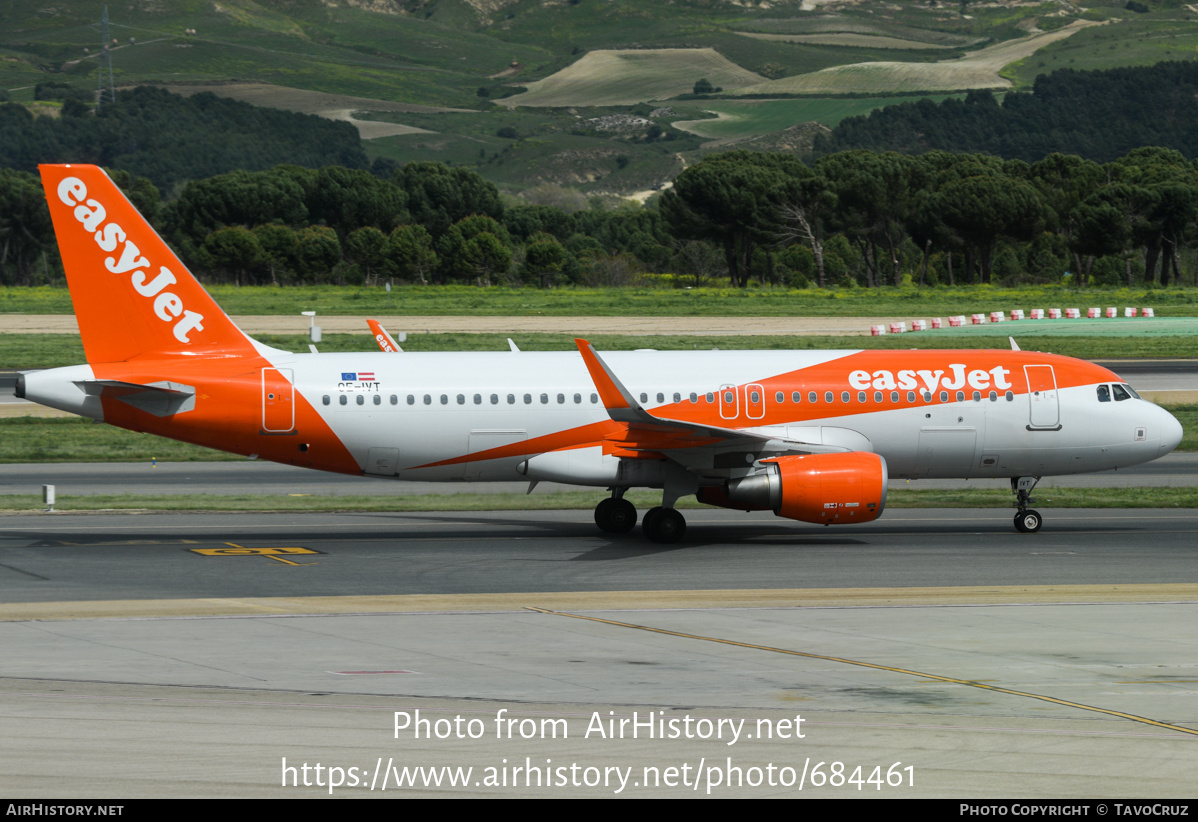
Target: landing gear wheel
[(1028, 522), (664, 525), (615, 516)]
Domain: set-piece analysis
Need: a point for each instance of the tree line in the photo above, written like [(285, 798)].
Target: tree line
[(1100, 115), (855, 218)]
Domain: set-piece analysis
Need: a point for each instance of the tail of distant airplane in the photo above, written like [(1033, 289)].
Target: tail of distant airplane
[(133, 297)]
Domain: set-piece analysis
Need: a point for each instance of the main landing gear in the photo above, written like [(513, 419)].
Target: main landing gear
[(616, 515), (1027, 521)]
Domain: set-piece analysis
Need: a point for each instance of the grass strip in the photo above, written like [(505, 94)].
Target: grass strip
[(74, 439), (28, 351), (579, 500)]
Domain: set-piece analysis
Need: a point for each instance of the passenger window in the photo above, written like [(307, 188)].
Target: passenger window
[(927, 396), (710, 397), (977, 396), (445, 399), (326, 399), (461, 399), (910, 396), (779, 398), (993, 396), (344, 400), (528, 399), (428, 399), (361, 399), (796, 397), (661, 397), (677, 397), (1120, 394), (877, 396), (577, 399), (894, 396), (728, 398), (411, 399), (561, 398), (478, 399), (960, 396), (378, 399), (694, 398), (829, 397), (860, 396), (544, 399), (812, 396), (394, 399), (1010, 396), (1104, 393), (511, 399), (944, 396), (594, 398), (754, 397), (494, 399)]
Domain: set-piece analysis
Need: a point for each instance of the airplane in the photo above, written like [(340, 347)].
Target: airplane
[(813, 436)]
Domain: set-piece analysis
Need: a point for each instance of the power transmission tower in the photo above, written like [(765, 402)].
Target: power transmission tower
[(103, 94)]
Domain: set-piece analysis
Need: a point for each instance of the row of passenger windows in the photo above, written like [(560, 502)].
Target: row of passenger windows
[(729, 398), (377, 399)]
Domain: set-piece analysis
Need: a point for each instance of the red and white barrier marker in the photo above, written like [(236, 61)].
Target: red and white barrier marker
[(1037, 313), (998, 317), (977, 319), (877, 330), (919, 325), (1054, 313), (1129, 312), (957, 321), (898, 328), (1112, 312), (939, 323), (1094, 313), (1073, 313), (1148, 312), (1016, 313)]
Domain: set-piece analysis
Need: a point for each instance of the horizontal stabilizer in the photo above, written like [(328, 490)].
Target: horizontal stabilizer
[(162, 399)]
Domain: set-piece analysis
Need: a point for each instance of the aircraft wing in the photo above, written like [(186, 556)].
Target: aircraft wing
[(647, 432)]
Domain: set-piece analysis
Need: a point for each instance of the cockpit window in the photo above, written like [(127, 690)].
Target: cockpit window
[(1120, 393), (1130, 390), (1104, 393)]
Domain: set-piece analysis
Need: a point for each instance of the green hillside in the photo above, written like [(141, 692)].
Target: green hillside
[(500, 57)]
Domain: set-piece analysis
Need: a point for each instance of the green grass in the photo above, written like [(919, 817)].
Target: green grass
[(907, 302), (27, 351), (1139, 40), (580, 500)]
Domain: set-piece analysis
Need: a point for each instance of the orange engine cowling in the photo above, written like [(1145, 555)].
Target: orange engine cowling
[(826, 489)]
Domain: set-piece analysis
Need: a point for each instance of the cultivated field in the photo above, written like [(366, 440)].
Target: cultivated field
[(612, 78), (978, 70), (872, 41), (741, 119)]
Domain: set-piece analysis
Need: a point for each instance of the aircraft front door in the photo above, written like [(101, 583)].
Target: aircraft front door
[(1045, 410)]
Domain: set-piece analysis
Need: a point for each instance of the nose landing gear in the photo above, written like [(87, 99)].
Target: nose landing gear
[(1027, 521)]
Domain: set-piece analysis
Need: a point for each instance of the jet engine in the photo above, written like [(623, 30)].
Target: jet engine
[(826, 489)]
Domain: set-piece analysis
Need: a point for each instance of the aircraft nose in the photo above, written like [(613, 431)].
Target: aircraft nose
[(1171, 432)]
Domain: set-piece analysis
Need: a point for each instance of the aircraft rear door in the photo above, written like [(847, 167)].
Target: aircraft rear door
[(278, 401)]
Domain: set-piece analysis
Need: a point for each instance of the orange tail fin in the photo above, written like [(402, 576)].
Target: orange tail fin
[(133, 297)]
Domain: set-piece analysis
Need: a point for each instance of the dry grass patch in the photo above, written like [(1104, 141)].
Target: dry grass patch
[(977, 70), (620, 78)]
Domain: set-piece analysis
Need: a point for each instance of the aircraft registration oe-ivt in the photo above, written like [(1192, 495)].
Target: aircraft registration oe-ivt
[(810, 435)]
